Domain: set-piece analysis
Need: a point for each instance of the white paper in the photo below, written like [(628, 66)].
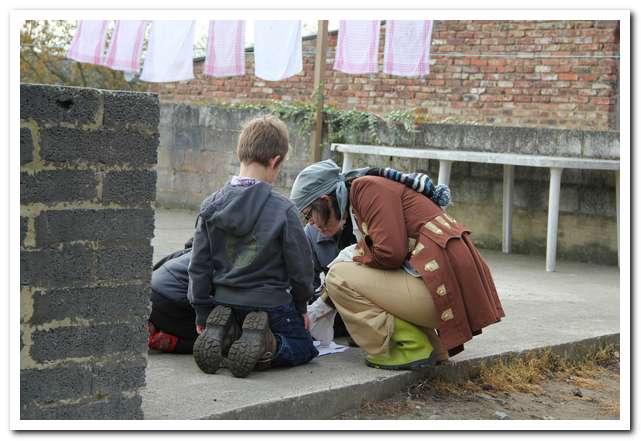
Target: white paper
[(332, 348)]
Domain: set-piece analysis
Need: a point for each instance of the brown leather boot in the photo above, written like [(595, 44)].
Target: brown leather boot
[(212, 345), (265, 361), (257, 343)]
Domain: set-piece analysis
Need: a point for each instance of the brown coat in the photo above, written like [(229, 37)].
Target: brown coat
[(388, 214)]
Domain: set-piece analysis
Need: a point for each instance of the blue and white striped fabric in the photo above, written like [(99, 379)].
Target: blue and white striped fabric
[(419, 182)]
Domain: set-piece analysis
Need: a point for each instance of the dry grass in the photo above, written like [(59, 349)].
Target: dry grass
[(525, 374), (386, 406), (374, 408), (441, 387), (610, 407), (518, 375), (531, 374), (586, 383)]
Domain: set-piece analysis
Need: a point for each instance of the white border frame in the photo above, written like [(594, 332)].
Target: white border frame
[(623, 16)]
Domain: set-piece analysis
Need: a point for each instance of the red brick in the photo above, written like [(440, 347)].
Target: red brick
[(568, 76), (478, 62)]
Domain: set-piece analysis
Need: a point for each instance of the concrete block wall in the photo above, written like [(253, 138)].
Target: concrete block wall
[(87, 192), (197, 156), (197, 152)]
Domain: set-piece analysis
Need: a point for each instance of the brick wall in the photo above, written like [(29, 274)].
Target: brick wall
[(508, 73), (87, 187)]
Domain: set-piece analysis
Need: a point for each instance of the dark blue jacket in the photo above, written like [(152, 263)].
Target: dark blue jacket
[(249, 249), (171, 280), (324, 250)]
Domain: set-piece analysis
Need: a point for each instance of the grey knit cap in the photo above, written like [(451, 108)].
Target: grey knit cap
[(320, 179)]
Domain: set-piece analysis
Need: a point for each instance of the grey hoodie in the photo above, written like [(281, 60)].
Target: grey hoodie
[(249, 249)]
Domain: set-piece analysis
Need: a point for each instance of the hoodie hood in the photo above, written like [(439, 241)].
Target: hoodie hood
[(235, 209)]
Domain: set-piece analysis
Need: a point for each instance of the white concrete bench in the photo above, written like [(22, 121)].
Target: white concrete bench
[(556, 165)]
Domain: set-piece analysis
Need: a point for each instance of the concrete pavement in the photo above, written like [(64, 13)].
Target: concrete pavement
[(578, 302)]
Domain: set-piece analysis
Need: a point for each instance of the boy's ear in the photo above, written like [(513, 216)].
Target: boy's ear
[(275, 161)]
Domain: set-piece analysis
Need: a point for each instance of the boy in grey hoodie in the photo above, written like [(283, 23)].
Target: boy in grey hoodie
[(251, 264)]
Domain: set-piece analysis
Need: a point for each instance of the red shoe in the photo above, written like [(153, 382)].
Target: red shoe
[(162, 341)]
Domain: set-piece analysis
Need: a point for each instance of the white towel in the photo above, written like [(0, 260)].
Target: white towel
[(126, 45), (88, 43), (321, 321), (357, 46), (225, 49), (407, 47), (170, 55), (346, 254), (278, 49)]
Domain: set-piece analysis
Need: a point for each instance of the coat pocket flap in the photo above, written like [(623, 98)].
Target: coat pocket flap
[(440, 230)]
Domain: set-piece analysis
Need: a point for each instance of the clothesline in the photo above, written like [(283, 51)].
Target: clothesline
[(278, 50), (449, 55), (496, 55), (514, 56)]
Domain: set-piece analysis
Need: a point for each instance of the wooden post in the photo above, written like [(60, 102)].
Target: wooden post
[(618, 217), (319, 73)]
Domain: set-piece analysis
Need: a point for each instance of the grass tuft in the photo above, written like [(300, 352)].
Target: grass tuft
[(525, 373)]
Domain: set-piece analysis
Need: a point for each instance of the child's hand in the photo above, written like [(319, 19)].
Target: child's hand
[(200, 329), (306, 320)]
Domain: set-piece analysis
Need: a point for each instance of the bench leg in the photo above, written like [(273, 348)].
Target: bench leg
[(348, 161), (508, 198), (444, 169), (618, 243), (553, 218)]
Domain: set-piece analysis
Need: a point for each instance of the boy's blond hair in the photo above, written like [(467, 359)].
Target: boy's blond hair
[(263, 138)]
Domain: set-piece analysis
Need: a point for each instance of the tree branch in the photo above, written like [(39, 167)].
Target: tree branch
[(82, 74), (62, 77), (31, 66)]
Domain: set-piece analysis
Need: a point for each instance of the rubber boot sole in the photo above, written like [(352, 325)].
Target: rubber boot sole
[(413, 366), (208, 347), (248, 349)]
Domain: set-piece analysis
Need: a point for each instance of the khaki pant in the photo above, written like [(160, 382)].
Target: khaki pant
[(368, 299)]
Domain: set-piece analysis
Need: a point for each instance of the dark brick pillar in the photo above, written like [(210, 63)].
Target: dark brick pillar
[(87, 188)]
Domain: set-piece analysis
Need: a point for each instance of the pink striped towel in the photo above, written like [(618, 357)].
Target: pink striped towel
[(357, 46), (88, 43), (407, 47), (225, 49), (126, 45)]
